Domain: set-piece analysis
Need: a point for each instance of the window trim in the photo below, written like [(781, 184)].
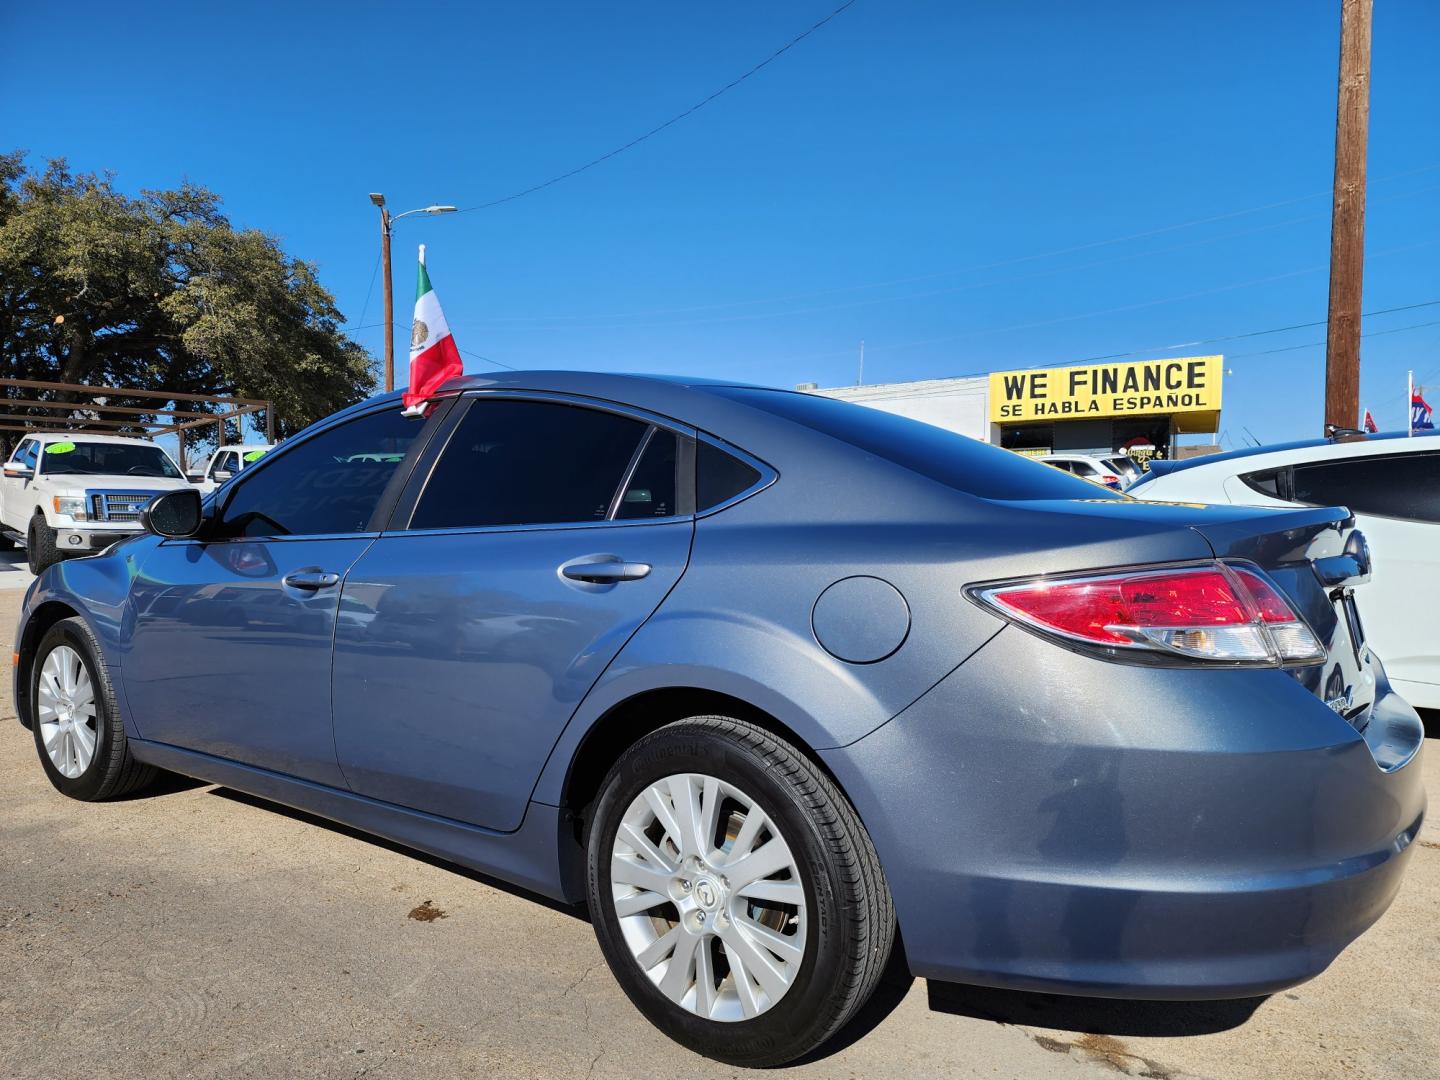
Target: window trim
[(409, 500)]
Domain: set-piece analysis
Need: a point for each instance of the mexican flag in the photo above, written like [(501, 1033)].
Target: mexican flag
[(433, 355)]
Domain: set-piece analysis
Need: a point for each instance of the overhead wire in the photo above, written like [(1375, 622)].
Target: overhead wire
[(731, 85)]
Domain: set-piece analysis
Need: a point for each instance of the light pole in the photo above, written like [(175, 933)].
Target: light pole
[(386, 221)]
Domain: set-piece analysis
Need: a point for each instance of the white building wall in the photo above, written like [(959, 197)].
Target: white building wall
[(960, 405)]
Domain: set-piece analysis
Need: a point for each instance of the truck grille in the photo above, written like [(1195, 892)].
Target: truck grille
[(119, 505)]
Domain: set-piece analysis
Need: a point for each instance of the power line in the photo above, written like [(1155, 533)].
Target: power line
[(1034, 257), (369, 292), (673, 120), (1314, 344), (487, 359)]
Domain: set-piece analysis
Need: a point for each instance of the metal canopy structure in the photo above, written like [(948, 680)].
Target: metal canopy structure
[(20, 413)]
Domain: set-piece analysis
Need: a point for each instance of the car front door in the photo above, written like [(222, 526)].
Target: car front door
[(14, 507), (515, 569), (230, 649)]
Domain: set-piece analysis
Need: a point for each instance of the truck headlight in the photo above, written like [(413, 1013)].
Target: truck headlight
[(72, 506)]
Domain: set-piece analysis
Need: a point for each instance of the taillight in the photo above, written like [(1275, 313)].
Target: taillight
[(1110, 481), (1211, 612)]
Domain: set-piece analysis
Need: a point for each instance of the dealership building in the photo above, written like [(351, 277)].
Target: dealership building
[(1140, 406)]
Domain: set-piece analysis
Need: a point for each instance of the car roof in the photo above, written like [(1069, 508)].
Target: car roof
[(1363, 442), (245, 446), (88, 436)]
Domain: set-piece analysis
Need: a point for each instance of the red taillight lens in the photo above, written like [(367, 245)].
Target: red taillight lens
[(1210, 612), (1109, 479)]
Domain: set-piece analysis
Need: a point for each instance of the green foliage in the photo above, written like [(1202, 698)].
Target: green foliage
[(161, 292)]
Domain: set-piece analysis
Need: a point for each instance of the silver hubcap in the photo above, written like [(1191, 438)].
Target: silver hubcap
[(65, 707), (708, 897)]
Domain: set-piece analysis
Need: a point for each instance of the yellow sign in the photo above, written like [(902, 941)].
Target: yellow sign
[(1186, 384)]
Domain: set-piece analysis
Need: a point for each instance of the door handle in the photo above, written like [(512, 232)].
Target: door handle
[(605, 571), (311, 580)]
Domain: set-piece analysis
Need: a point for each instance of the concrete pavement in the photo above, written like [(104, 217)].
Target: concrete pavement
[(198, 932)]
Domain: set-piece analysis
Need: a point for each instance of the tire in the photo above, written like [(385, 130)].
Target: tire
[(837, 944), (40, 549), (111, 770)]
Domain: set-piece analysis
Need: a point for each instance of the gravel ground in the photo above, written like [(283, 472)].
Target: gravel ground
[(198, 932)]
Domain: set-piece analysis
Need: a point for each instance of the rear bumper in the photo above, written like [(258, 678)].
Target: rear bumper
[(1052, 822)]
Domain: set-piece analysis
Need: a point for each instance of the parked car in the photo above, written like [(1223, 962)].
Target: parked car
[(73, 493), (1392, 485), (1107, 471), (225, 462), (764, 679)]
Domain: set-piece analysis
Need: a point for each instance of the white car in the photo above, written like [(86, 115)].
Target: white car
[(226, 462), (1392, 485), (74, 493), (1116, 471)]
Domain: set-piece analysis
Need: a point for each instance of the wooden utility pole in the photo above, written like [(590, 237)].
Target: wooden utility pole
[(379, 200), (1347, 221)]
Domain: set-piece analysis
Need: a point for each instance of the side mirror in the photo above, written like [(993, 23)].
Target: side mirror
[(16, 471), (175, 514), (221, 475), (195, 477)]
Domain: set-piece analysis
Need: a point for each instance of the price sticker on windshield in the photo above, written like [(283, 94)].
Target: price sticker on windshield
[(254, 455), (60, 448)]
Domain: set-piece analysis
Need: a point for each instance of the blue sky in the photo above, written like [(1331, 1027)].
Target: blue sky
[(966, 187)]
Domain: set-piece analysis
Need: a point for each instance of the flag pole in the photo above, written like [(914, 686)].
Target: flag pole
[(1409, 403)]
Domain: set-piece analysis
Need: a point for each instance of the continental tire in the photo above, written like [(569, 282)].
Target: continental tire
[(735, 893)]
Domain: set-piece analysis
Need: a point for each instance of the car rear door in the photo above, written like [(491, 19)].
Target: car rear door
[(532, 543), (229, 651)]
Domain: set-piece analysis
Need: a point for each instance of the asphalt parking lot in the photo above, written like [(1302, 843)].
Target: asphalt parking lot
[(198, 932)]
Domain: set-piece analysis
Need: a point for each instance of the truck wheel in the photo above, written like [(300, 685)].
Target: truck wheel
[(40, 549), (77, 727)]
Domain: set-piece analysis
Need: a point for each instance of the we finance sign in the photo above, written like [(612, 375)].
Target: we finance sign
[(1187, 384)]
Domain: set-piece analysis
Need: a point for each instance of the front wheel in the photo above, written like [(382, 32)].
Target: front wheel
[(735, 893), (78, 731), (41, 548)]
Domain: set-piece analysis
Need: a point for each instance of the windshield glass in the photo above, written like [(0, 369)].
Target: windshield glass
[(944, 456), (108, 459)]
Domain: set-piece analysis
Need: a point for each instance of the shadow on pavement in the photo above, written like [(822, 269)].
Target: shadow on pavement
[(1431, 719), (1092, 1016), (575, 912)]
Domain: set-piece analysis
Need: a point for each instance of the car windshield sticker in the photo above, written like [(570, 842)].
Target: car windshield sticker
[(60, 448), (254, 455)]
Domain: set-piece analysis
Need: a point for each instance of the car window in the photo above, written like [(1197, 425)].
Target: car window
[(329, 483), (946, 457), (77, 458), (25, 453), (528, 463), (1267, 482), (651, 490), (720, 476), (219, 464), (1084, 468), (1390, 485), (1065, 466)]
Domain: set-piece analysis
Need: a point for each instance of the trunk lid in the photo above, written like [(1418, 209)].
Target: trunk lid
[(1318, 559)]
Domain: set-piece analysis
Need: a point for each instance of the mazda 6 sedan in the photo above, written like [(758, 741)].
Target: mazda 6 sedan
[(772, 683)]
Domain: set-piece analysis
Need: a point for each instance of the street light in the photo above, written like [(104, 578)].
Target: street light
[(386, 221)]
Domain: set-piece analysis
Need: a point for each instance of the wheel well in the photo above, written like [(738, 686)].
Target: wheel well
[(42, 619), (636, 717)]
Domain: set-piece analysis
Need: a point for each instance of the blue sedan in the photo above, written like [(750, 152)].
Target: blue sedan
[(771, 683)]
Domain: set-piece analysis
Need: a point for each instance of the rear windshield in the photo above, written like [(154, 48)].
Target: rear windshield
[(107, 459), (954, 460)]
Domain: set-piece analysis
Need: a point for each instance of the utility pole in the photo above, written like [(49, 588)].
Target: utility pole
[(860, 379), (386, 221), (379, 200), (1347, 222)]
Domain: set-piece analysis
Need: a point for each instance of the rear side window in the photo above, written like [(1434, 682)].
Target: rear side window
[(1267, 482), (1397, 486), (943, 456), (651, 490), (530, 463), (720, 476)]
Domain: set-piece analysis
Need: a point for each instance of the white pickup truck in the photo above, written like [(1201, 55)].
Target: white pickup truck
[(73, 493)]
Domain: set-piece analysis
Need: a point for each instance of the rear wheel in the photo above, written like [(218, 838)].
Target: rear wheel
[(735, 894), (77, 728), (40, 545)]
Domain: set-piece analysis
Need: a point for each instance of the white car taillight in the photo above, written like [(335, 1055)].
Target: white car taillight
[(1210, 612)]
